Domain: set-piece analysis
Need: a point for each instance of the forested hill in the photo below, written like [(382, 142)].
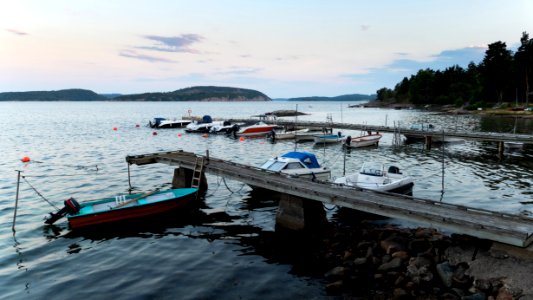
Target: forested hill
[(502, 78), (61, 95), (350, 97), (200, 93)]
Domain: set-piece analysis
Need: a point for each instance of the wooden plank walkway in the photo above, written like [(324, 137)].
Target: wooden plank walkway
[(478, 136), (506, 228)]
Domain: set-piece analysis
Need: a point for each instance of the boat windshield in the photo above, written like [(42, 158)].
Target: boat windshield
[(372, 169), (275, 166)]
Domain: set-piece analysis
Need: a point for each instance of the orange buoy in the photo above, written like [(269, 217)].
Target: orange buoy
[(115, 128), (179, 134), (241, 139), (154, 133), (205, 135), (25, 159)]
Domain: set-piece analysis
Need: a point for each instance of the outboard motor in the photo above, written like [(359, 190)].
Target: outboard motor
[(348, 140), (272, 135), (233, 130), (71, 207), (339, 134)]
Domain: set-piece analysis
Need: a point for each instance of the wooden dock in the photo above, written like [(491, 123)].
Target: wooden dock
[(505, 228), (476, 136)]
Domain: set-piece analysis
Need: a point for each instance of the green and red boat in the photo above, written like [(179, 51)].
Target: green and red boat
[(123, 207)]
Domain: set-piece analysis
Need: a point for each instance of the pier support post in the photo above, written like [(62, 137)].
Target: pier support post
[(501, 149), (297, 214), (183, 179), (428, 141)]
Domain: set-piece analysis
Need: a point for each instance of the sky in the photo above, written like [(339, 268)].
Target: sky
[(283, 48)]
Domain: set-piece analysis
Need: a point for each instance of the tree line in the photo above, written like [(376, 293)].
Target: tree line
[(502, 76)]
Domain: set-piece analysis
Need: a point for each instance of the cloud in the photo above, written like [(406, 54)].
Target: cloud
[(173, 43), (238, 71), (148, 58), (365, 27), (389, 75), (17, 32)]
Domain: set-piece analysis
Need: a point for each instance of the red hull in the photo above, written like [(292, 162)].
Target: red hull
[(130, 213), (257, 130)]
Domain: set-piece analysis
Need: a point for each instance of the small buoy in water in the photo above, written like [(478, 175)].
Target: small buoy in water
[(241, 139), (115, 128), (137, 125), (205, 135), (154, 133), (25, 159), (179, 134)]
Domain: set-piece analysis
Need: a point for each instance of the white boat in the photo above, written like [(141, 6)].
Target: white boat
[(306, 136), (202, 126), (513, 145), (166, 123), (298, 164), (328, 138), (362, 141), (379, 177), (225, 127), (429, 128), (257, 129), (287, 135)]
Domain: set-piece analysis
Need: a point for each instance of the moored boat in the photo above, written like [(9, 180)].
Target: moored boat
[(379, 177), (287, 135), (362, 141), (167, 123), (202, 126), (298, 164), (224, 127), (257, 129), (122, 207), (420, 131), (328, 138)]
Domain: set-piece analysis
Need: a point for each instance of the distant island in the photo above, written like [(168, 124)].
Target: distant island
[(61, 95), (350, 97), (200, 93), (196, 93)]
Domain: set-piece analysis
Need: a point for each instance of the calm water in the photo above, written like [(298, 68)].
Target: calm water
[(219, 252)]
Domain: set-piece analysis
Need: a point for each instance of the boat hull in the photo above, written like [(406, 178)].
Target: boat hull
[(256, 131), (327, 139), (90, 215), (363, 141)]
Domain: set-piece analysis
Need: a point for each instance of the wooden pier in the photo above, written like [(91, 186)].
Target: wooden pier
[(496, 226), (476, 136)]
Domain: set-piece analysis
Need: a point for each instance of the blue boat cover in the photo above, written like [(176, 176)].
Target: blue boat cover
[(207, 119), (158, 120), (309, 159)]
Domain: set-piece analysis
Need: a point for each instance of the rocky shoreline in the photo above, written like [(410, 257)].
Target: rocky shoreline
[(450, 109), (369, 260)]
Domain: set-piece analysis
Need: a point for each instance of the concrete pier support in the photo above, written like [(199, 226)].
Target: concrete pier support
[(297, 214), (183, 179)]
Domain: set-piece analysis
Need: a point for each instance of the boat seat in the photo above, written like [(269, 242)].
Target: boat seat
[(394, 170)]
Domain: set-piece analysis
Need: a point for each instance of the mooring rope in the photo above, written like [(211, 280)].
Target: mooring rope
[(324, 205), (57, 175), (233, 192), (36, 191), (216, 189)]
